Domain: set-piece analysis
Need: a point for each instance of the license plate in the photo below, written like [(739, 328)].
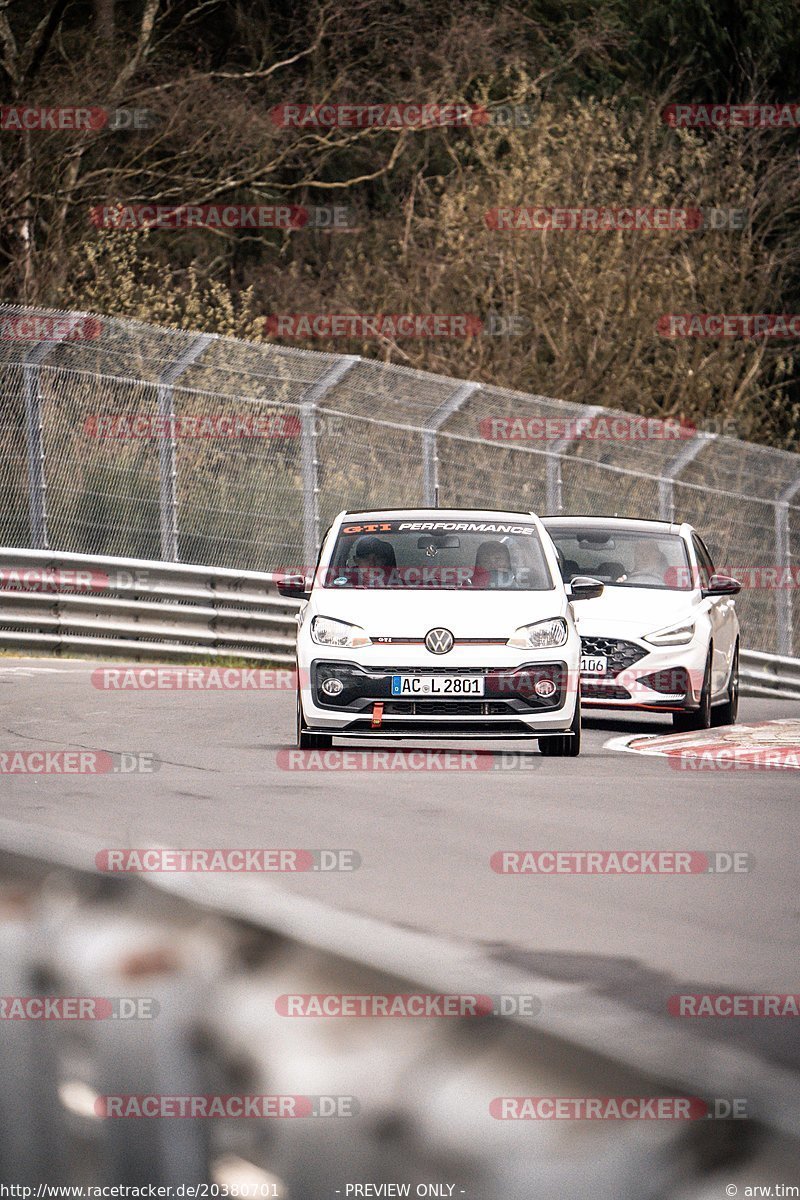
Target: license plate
[(594, 664), (437, 685)]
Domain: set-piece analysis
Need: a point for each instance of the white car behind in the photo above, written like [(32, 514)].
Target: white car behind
[(664, 635)]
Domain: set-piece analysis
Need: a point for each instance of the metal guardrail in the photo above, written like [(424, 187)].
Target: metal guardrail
[(99, 604), (770, 675), (79, 602)]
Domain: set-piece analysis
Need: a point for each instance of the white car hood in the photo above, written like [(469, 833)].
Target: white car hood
[(410, 613), (632, 610)]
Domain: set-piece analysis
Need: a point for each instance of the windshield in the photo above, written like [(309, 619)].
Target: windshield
[(474, 555), (623, 558)]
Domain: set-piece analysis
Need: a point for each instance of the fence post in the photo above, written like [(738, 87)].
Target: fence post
[(430, 457), (34, 433), (666, 490), (783, 558), (167, 466), (554, 502), (309, 463), (37, 486)]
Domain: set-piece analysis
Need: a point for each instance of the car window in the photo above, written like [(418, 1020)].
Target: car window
[(704, 563), (475, 555), (623, 558)]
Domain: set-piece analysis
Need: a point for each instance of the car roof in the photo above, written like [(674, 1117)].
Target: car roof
[(632, 523), (444, 513)]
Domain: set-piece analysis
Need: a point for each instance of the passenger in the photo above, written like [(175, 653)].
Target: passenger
[(492, 566)]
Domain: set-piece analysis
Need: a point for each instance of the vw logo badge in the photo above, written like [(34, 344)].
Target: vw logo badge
[(439, 641)]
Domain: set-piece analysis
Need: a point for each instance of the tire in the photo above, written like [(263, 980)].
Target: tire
[(727, 713), (688, 722), (309, 741), (566, 746)]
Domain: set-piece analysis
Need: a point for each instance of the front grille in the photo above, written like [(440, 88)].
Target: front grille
[(620, 655), (441, 729), (444, 708)]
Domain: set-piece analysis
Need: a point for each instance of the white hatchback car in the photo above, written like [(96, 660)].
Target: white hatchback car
[(432, 623), (664, 635)]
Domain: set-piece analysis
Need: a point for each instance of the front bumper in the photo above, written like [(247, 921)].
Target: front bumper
[(510, 706), (642, 677)]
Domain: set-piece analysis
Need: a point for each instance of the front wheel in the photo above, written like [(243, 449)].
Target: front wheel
[(727, 713), (306, 740), (568, 745)]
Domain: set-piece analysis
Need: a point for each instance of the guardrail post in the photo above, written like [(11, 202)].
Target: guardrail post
[(783, 559), (309, 463), (430, 457), (167, 466), (666, 482), (555, 502)]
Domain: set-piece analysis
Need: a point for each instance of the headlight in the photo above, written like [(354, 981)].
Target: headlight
[(327, 632), (673, 635), (543, 635)]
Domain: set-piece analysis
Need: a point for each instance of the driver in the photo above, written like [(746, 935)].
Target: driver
[(375, 560), (649, 562)]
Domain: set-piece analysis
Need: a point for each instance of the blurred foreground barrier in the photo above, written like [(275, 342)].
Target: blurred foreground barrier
[(198, 1009)]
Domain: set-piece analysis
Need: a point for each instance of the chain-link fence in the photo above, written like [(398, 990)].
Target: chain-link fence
[(118, 437)]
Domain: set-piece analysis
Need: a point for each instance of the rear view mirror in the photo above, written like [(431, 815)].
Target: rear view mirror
[(583, 587), (293, 587), (440, 541), (722, 585)]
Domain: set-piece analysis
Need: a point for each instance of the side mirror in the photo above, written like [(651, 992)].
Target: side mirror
[(721, 585), (293, 587), (583, 587)]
